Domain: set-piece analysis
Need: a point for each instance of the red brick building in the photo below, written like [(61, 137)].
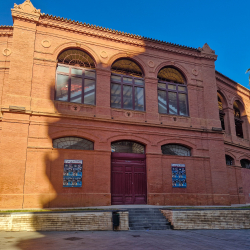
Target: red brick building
[(128, 108)]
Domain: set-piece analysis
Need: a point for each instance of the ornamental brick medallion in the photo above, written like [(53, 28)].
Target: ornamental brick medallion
[(151, 64), (6, 52), (128, 114), (46, 43), (75, 108), (195, 72), (104, 54)]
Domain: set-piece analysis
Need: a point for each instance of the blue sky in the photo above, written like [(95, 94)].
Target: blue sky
[(224, 25)]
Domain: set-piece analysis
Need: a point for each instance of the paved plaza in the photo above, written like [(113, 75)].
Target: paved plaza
[(129, 240)]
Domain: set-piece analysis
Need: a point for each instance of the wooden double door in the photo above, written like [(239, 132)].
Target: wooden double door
[(128, 179)]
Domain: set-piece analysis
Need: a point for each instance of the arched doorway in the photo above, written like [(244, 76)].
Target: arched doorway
[(128, 173)]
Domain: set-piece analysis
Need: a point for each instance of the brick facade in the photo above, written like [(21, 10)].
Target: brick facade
[(32, 170)]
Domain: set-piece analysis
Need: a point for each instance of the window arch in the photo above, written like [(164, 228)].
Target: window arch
[(127, 147), (71, 142), (245, 163), (229, 160), (172, 92), (221, 112), (75, 77), (127, 85), (237, 119), (175, 149)]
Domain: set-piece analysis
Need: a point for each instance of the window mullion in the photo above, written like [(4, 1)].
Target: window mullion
[(177, 99), (122, 92), (133, 93), (83, 83), (69, 83), (167, 99)]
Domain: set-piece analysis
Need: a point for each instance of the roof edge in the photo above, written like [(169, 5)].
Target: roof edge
[(118, 32), (216, 71)]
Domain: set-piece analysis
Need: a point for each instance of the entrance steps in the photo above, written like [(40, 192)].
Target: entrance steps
[(147, 219)]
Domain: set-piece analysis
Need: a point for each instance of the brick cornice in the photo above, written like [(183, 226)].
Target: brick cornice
[(117, 36), (6, 31), (26, 11)]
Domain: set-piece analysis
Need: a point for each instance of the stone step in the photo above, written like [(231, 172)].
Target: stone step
[(150, 228), (148, 225), (147, 219), (146, 215)]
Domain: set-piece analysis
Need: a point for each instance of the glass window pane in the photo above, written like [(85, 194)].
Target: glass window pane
[(127, 80), (162, 101), (139, 82), (161, 85), (172, 102), (116, 78), (115, 96), (89, 91), (139, 99), (175, 149), (90, 73), (76, 71), (171, 86), (183, 104), (181, 88), (63, 69), (62, 87), (127, 97), (76, 89)]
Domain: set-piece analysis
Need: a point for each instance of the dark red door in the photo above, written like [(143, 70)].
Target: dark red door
[(128, 179)]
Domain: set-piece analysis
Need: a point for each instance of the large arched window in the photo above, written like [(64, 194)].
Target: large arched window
[(245, 163), (229, 160), (71, 142), (127, 85), (127, 147), (175, 149), (221, 112), (237, 119), (75, 77), (172, 92)]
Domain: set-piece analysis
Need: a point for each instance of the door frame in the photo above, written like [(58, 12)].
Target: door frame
[(127, 156)]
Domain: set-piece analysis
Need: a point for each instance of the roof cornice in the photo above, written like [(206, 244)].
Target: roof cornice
[(6, 30), (231, 82), (118, 36)]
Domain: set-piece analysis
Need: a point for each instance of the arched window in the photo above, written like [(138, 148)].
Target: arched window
[(229, 160), (237, 119), (175, 149), (221, 112), (72, 142), (127, 147), (245, 163), (75, 77), (127, 85), (172, 92)]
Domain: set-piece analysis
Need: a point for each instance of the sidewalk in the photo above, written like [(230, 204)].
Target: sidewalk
[(134, 240)]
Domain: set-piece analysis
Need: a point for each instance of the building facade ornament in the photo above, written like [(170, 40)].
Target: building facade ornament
[(26, 10), (46, 43), (6, 52)]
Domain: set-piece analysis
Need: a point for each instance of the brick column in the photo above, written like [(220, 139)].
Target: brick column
[(18, 90), (103, 92), (151, 99)]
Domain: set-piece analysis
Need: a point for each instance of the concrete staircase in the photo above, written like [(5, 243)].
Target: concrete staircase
[(147, 219)]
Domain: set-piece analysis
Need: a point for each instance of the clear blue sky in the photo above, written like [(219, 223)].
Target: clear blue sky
[(224, 25)]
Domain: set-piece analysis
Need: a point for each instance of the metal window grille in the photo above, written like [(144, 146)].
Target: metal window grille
[(175, 149), (72, 142)]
